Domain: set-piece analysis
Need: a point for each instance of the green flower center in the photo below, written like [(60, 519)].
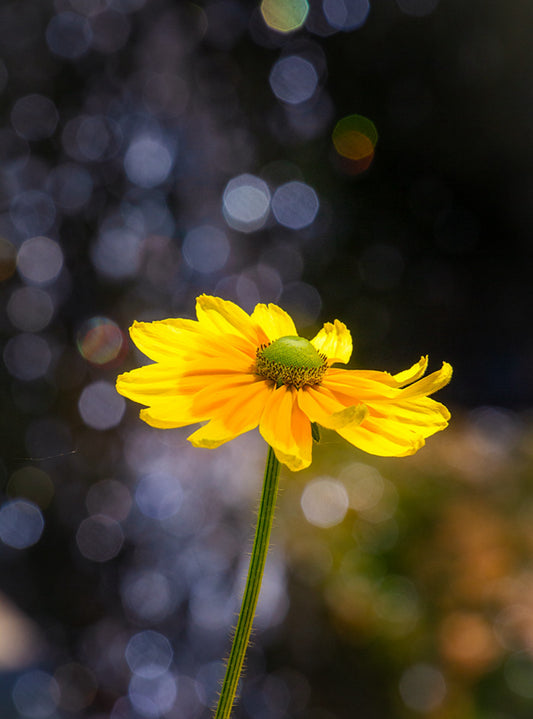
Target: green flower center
[(291, 361)]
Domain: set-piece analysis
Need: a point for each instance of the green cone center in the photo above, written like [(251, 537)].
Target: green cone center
[(291, 360)]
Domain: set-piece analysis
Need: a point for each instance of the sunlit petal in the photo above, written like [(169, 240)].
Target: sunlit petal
[(207, 370), (274, 321), (322, 407), (373, 437), (161, 340), (145, 384), (225, 318), (433, 382), (171, 412), (335, 341), (211, 435), (411, 374), (286, 429), (234, 413), (355, 386)]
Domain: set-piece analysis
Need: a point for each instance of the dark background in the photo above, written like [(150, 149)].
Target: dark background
[(426, 251)]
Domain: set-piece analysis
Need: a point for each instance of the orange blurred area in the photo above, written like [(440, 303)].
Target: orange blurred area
[(355, 138), (441, 583)]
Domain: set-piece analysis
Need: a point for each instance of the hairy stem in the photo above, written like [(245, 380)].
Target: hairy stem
[(253, 585)]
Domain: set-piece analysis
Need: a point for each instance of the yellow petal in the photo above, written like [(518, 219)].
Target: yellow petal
[(232, 414), (423, 415), (223, 317), (163, 339), (322, 407), (171, 412), (398, 420), (396, 380), (371, 437), (354, 386), (211, 435), (286, 429), (335, 341), (274, 321), (411, 374), (237, 395), (431, 383), (145, 384)]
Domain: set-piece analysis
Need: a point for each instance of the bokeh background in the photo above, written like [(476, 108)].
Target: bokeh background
[(370, 160)]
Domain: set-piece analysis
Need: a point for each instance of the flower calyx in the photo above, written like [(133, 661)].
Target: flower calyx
[(292, 361)]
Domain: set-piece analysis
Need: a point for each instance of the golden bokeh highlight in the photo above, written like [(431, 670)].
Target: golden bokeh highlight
[(284, 15), (468, 643), (355, 138), (102, 342)]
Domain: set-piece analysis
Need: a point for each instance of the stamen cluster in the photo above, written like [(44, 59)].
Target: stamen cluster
[(290, 361)]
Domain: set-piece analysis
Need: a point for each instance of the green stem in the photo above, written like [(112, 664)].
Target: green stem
[(253, 585)]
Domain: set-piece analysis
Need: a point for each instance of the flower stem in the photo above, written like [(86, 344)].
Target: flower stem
[(253, 585)]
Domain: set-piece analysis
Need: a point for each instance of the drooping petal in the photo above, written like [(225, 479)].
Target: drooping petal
[(401, 378), (411, 374), (287, 429), (335, 341), (398, 419), (274, 321), (354, 386), (321, 407), (225, 318), (372, 437), (431, 383), (423, 414)]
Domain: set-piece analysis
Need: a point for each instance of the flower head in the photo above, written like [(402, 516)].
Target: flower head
[(235, 371)]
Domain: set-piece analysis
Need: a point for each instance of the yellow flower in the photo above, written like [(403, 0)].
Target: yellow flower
[(237, 371)]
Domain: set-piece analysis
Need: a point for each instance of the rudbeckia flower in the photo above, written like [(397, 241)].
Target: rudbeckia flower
[(234, 371)]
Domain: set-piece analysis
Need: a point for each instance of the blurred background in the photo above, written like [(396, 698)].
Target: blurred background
[(367, 160)]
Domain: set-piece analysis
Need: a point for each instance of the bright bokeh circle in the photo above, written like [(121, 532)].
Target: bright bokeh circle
[(284, 15)]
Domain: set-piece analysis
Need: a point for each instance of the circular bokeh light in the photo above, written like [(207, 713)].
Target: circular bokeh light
[(293, 79), (69, 35), (36, 695), (40, 260), (355, 138), (102, 342), (148, 161), (32, 212), (206, 249), (32, 484), (21, 524), (30, 309), (346, 15), (27, 356), (295, 205), (246, 203), (100, 406), (284, 15), (149, 654), (34, 117), (99, 538), (325, 502)]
